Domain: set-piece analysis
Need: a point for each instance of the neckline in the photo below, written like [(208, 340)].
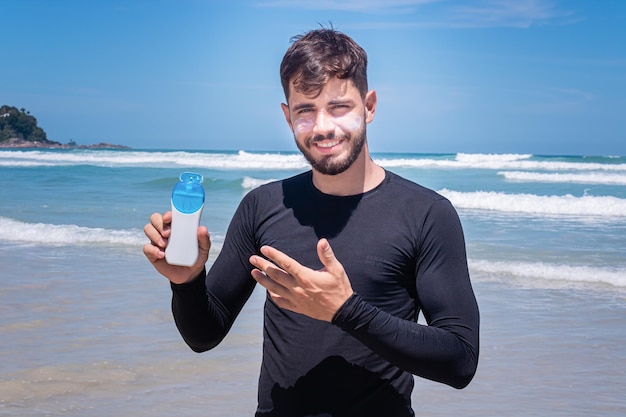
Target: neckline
[(322, 194)]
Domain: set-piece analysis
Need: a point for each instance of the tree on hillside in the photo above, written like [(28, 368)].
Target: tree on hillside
[(19, 124)]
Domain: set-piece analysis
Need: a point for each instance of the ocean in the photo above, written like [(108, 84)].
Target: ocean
[(86, 328)]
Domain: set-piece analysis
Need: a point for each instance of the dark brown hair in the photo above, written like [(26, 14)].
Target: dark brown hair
[(319, 55)]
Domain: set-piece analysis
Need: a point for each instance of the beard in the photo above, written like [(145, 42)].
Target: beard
[(331, 164)]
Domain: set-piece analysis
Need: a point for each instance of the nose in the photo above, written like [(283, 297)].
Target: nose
[(324, 124)]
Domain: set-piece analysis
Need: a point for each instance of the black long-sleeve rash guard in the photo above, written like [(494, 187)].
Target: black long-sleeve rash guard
[(403, 249)]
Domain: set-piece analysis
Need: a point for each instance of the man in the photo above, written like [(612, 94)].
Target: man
[(349, 254)]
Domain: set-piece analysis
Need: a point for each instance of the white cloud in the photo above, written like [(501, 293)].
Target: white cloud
[(507, 13), (443, 14), (366, 6)]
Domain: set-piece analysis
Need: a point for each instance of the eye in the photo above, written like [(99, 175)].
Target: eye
[(340, 109)]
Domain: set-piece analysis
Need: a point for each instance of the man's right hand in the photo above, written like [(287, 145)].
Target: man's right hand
[(158, 231)]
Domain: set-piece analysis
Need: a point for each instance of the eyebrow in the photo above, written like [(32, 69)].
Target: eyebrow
[(330, 103), (345, 101), (302, 106)]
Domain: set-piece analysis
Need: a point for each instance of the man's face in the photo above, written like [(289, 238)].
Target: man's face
[(330, 129)]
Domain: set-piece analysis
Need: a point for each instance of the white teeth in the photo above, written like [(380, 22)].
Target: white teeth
[(327, 144)]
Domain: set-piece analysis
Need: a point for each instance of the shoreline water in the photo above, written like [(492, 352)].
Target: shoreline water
[(21, 144), (115, 350), (87, 328)]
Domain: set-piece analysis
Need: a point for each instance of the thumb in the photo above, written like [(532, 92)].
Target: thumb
[(326, 254), (204, 242)]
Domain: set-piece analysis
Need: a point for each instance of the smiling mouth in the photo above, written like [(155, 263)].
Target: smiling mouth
[(327, 144)]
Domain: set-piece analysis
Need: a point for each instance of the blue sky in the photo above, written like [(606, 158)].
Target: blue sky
[(483, 76)]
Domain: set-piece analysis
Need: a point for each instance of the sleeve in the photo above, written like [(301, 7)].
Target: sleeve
[(445, 350), (205, 309)]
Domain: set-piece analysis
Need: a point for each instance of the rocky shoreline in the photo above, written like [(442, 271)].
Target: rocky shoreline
[(21, 144)]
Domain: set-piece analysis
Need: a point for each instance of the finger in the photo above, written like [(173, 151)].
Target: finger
[(156, 219), (153, 253), (283, 302), (162, 223), (204, 239), (268, 268), (204, 245), (275, 289), (288, 264), (326, 255), (153, 234)]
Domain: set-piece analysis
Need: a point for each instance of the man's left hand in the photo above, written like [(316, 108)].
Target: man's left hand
[(292, 286)]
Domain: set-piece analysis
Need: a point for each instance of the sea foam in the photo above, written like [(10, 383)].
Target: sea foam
[(208, 160), (496, 162), (66, 234), (553, 205), (480, 157), (588, 178), (286, 161), (250, 183), (549, 272)]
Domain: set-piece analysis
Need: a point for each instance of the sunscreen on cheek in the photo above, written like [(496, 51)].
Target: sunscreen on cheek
[(302, 125), (345, 123), (349, 122)]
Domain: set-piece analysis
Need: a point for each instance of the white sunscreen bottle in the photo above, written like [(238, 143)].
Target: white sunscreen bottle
[(187, 205)]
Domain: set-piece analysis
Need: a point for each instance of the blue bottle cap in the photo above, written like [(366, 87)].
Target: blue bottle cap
[(188, 194)]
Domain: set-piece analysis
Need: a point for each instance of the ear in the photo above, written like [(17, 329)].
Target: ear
[(286, 112), (370, 105)]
